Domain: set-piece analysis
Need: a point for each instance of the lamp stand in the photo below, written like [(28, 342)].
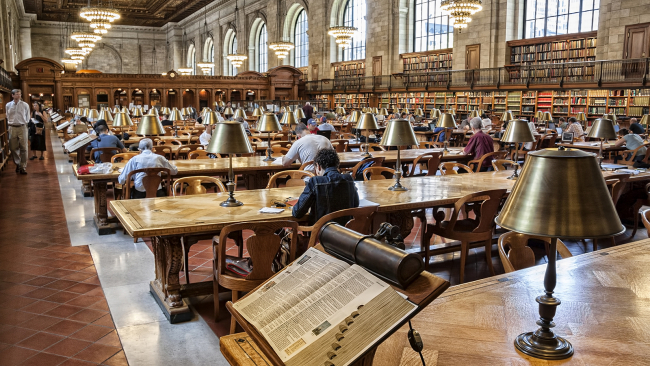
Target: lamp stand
[(600, 155), (445, 150), (269, 150), (543, 343), (366, 146), (398, 175), (231, 201), (515, 175)]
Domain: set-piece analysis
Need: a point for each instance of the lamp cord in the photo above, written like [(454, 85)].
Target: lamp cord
[(416, 342)]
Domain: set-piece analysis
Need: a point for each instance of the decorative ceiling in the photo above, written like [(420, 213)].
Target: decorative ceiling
[(154, 13)]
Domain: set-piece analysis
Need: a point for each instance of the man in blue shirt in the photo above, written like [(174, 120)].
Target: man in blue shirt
[(105, 140)]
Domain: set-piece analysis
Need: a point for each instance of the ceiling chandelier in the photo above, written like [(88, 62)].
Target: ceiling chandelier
[(343, 35), (236, 59), (461, 11), (85, 39), (206, 67), (185, 71), (70, 61), (76, 53), (281, 49), (100, 18)]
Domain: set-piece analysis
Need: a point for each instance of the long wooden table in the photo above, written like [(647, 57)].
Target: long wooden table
[(254, 169), (167, 220), (604, 314)]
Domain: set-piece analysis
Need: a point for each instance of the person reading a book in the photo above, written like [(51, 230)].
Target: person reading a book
[(328, 192), (104, 139)]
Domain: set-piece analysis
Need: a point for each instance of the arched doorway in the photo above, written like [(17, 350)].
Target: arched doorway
[(204, 97), (137, 97), (120, 98), (235, 95), (250, 94), (219, 96), (154, 98), (102, 98), (172, 98), (188, 98)]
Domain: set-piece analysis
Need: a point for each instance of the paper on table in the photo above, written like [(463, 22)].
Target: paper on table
[(271, 210), (365, 203)]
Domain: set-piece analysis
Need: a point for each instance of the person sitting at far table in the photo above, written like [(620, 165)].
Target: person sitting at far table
[(166, 121), (104, 139), (487, 122), (636, 127), (479, 144), (206, 136), (146, 159), (327, 126), (576, 129), (631, 141), (306, 147), (408, 118), (312, 125)]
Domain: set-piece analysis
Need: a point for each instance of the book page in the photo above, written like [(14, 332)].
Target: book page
[(62, 126), (79, 141)]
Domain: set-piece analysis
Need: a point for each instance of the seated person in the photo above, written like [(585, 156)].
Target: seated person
[(327, 126), (105, 140), (636, 127), (479, 144), (328, 192), (99, 123), (562, 123), (408, 117), (312, 125), (199, 122), (166, 121), (631, 141), (576, 129), (146, 159), (243, 122), (306, 147), (206, 136), (464, 125), (487, 122)]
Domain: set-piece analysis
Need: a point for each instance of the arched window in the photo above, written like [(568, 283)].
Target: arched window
[(554, 17), (232, 50), (433, 30), (301, 40), (191, 59), (355, 16), (208, 53), (262, 50)]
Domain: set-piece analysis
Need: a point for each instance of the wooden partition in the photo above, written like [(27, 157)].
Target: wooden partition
[(171, 89)]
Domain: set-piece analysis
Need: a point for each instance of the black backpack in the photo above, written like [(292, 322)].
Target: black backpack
[(366, 165)]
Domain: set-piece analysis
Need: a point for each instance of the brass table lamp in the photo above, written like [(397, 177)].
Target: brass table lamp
[(406, 111), (398, 133), (240, 112), (125, 110), (210, 118), (582, 118), (289, 119), (105, 115), (435, 113), (382, 112), (539, 117), (602, 129), (269, 123), (447, 121), (473, 114), (340, 111), (228, 111), (355, 116), (645, 121), (115, 110), (507, 116), (137, 113), (517, 132), (150, 125), (547, 118), (92, 115), (418, 112), (611, 117), (300, 114), (230, 138), (367, 122), (258, 112), (122, 120), (583, 208), (175, 116)]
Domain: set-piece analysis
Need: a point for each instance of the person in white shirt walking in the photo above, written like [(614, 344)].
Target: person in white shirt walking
[(18, 118), (146, 159)]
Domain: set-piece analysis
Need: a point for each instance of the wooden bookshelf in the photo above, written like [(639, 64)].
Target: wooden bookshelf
[(349, 69), (423, 62), (555, 49), (4, 133), (351, 101)]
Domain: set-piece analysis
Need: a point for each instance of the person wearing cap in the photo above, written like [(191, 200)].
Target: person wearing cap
[(312, 125), (327, 126), (146, 159)]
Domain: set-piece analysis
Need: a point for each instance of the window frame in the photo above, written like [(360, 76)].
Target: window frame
[(449, 33), (353, 50), (232, 49), (262, 54), (580, 12), (304, 38)]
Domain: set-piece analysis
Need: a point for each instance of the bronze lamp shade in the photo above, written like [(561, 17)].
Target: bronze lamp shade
[(340, 111), (435, 113), (548, 117), (230, 138), (383, 112), (228, 111), (240, 113), (269, 123), (406, 111), (507, 116), (645, 120), (581, 116), (105, 115), (355, 116), (399, 132), (210, 118), (602, 129), (367, 122), (447, 121), (125, 110), (517, 131), (92, 115), (137, 112), (418, 112), (583, 208), (122, 119), (610, 116), (299, 113), (258, 112), (474, 114), (175, 115), (150, 125), (115, 110), (165, 110)]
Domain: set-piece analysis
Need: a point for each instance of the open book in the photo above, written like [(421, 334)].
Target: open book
[(79, 141), (323, 311), (62, 126)]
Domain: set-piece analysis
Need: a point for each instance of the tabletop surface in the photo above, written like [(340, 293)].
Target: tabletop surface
[(593, 145)]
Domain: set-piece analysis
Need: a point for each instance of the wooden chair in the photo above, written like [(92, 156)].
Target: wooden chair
[(262, 247), (431, 145), (123, 157), (279, 151), (521, 154), (377, 173), (347, 136), (431, 159), (485, 205), (151, 181), (354, 170), (305, 165), (198, 154), (106, 154), (375, 147), (630, 155), (360, 221), (169, 142), (502, 164), (616, 184), (184, 150), (194, 139), (448, 168), (255, 139), (163, 150), (296, 178), (645, 217), (340, 145), (478, 163), (286, 144), (515, 253)]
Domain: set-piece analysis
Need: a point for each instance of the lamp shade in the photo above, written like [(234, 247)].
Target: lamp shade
[(518, 131), (240, 113), (210, 118), (228, 111), (340, 111), (406, 111), (222, 104), (137, 112), (154, 111), (175, 115), (539, 115), (447, 121), (602, 128), (583, 208), (645, 120), (85, 112), (581, 116), (355, 116), (367, 122), (507, 116), (610, 116), (125, 110), (165, 110), (92, 114), (299, 113), (418, 112), (289, 119), (383, 112), (150, 125), (229, 138), (269, 123), (105, 115), (116, 110), (474, 114), (435, 113), (548, 117), (122, 119), (258, 112), (399, 132)]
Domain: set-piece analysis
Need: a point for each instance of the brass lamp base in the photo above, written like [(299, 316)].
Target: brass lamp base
[(268, 154), (366, 154), (397, 187), (543, 346), (268, 158), (231, 202)]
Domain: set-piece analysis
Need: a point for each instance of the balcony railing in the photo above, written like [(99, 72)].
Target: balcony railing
[(633, 72)]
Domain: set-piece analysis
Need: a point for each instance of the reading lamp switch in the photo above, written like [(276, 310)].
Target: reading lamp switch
[(415, 340)]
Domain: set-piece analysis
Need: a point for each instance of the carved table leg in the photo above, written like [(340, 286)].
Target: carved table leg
[(102, 221), (86, 188), (166, 288), (403, 219)]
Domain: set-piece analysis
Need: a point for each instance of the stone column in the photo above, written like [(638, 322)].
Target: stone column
[(25, 39)]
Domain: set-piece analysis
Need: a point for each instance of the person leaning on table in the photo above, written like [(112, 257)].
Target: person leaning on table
[(17, 119), (146, 159), (631, 141)]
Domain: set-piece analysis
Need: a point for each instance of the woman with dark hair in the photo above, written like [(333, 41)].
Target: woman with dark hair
[(36, 127)]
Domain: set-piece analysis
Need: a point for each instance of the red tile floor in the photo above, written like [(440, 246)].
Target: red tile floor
[(52, 307)]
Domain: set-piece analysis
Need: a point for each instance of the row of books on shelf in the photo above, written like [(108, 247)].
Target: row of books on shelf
[(638, 111), (429, 66), (428, 58)]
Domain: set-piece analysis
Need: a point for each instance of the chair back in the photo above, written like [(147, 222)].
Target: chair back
[(296, 178), (377, 173), (286, 144), (105, 154), (262, 248), (375, 147), (485, 205), (198, 154), (123, 157), (279, 151), (327, 134), (616, 184), (478, 163), (447, 168), (645, 217), (378, 161), (361, 221), (503, 164), (163, 150), (195, 185), (340, 145), (515, 253), (432, 159), (184, 150), (194, 139), (151, 181)]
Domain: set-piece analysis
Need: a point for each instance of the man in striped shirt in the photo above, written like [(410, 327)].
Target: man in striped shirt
[(18, 118)]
